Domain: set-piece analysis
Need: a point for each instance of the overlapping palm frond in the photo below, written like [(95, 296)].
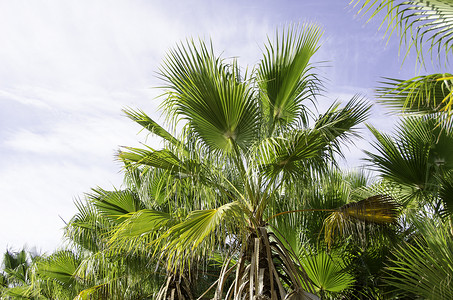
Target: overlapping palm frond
[(429, 94), (423, 267), (339, 125), (416, 157), (419, 23)]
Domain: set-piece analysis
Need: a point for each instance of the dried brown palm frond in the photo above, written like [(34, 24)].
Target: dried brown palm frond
[(378, 209)]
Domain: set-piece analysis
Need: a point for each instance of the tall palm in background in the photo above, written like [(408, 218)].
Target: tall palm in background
[(246, 141)]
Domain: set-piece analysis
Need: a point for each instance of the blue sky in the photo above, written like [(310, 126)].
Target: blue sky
[(67, 68)]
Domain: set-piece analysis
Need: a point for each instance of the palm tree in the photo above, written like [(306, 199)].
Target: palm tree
[(246, 139), (417, 163)]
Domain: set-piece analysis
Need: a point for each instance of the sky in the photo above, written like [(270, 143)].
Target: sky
[(68, 68)]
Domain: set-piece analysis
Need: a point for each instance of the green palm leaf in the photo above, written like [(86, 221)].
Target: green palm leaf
[(183, 240), (404, 159), (146, 122), (284, 76), (211, 96), (326, 272), (424, 267), (114, 204), (282, 153), (418, 151), (339, 124), (424, 94), (162, 159), (59, 267), (138, 229), (418, 22)]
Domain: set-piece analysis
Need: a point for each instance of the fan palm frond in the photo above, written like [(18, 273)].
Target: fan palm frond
[(424, 267), (418, 22), (211, 96), (284, 75)]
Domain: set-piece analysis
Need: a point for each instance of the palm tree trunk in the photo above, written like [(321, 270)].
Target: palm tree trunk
[(264, 264)]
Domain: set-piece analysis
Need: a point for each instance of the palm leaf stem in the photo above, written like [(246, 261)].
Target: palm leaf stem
[(242, 171), (299, 210)]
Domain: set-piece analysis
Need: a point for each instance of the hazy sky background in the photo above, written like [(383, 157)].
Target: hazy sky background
[(67, 68)]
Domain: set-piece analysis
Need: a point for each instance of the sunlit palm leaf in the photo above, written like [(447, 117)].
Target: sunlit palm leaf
[(211, 96), (162, 159), (138, 228), (182, 240), (284, 75), (424, 94)]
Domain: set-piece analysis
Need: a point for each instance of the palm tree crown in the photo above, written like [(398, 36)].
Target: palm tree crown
[(246, 141)]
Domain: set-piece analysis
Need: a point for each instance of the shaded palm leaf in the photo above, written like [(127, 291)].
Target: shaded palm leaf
[(326, 272), (415, 157), (424, 267), (404, 160), (446, 192)]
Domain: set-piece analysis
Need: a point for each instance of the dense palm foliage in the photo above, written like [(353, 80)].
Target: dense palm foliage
[(248, 141), (415, 161), (245, 199)]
